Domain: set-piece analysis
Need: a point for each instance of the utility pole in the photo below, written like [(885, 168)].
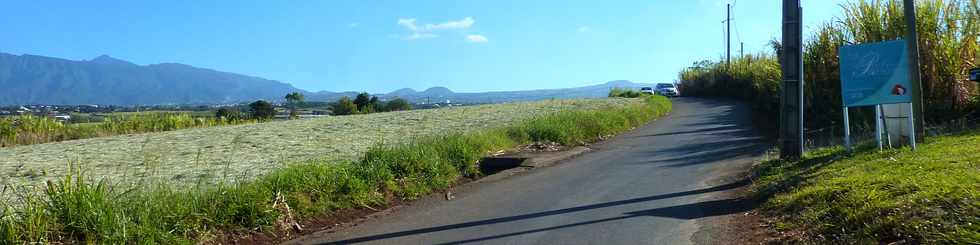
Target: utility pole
[(741, 50), (912, 43), (791, 99), (728, 37)]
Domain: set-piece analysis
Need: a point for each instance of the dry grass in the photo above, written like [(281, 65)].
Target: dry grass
[(204, 155)]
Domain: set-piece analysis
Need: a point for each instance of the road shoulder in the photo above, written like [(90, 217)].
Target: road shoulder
[(535, 161)]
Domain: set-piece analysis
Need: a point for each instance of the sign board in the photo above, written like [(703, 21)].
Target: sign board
[(975, 75), (874, 74)]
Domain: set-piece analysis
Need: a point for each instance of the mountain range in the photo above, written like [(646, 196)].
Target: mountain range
[(104, 80)]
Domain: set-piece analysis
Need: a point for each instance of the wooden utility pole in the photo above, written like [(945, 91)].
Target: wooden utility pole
[(791, 99), (912, 42), (741, 50), (728, 37)]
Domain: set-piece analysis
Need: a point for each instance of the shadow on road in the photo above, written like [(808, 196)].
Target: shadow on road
[(707, 153), (688, 211), (699, 131)]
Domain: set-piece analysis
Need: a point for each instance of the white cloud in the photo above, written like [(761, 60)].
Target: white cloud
[(353, 24), (419, 35), (477, 39), (420, 31), (457, 24), (408, 23), (584, 29)]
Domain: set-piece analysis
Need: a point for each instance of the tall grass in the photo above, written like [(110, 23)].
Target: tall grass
[(77, 209), (948, 41), (27, 130), (624, 93), (753, 77)]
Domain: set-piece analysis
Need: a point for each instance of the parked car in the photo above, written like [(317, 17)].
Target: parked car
[(667, 89), (646, 90)]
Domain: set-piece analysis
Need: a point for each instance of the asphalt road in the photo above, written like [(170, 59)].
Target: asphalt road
[(659, 184)]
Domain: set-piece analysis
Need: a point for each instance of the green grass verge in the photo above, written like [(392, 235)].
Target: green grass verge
[(931, 196), (76, 209)]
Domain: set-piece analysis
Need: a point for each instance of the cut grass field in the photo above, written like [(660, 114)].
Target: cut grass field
[(30, 130), (208, 154), (423, 159), (931, 196)]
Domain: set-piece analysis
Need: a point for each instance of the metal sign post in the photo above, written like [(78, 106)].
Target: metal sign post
[(847, 130), (791, 96), (912, 129), (878, 127)]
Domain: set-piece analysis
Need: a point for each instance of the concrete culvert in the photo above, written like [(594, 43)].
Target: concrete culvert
[(492, 165)]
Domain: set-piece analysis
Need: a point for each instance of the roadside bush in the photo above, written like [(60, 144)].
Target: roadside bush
[(230, 114), (262, 110), (624, 93), (367, 104), (344, 106), (397, 104)]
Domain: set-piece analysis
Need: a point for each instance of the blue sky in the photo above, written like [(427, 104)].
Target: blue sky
[(380, 46)]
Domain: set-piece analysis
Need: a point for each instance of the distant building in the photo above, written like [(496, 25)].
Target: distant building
[(63, 118), (4, 112), (23, 111)]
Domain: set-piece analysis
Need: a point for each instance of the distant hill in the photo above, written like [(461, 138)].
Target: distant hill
[(31, 79), (440, 94)]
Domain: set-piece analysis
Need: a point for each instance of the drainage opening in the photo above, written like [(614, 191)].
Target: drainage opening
[(492, 165)]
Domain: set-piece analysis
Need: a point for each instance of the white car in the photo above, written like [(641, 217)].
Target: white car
[(667, 89), (646, 90)]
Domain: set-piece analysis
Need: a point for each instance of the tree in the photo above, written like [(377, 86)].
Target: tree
[(294, 99), (228, 113), (344, 106), (398, 104), (262, 110), (374, 105), (362, 100)]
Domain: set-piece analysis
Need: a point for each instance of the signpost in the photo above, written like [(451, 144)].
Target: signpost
[(873, 75)]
